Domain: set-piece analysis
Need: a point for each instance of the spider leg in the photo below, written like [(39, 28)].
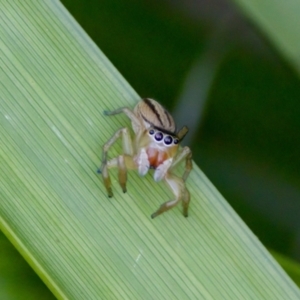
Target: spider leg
[(129, 113), (121, 161), (122, 173), (185, 202), (180, 192), (184, 153), (106, 180)]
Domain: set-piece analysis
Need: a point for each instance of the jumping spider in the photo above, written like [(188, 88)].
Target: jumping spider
[(155, 146)]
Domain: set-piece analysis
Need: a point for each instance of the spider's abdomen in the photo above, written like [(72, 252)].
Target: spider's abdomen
[(154, 115)]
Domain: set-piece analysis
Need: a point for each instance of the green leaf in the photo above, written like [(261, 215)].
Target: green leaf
[(55, 84), (280, 21)]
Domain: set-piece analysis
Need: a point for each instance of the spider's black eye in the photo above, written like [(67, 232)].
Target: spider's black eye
[(176, 141), (168, 140), (158, 136), (151, 131)]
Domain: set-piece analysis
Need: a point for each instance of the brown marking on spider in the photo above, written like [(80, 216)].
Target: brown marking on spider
[(155, 146)]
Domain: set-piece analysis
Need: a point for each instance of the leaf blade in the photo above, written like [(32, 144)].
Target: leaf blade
[(56, 84)]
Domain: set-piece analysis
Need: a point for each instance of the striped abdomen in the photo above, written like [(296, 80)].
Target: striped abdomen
[(154, 115)]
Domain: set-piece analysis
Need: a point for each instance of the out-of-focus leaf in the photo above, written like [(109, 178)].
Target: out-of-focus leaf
[(280, 21)]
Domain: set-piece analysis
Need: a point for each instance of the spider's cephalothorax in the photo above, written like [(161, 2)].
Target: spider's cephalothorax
[(155, 146)]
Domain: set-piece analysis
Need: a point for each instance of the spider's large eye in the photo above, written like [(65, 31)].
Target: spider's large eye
[(176, 141), (151, 131), (158, 136), (168, 140)]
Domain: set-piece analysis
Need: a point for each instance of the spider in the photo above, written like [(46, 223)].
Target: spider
[(155, 146)]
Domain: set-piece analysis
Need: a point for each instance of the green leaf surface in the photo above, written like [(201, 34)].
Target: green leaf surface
[(280, 21), (55, 84)]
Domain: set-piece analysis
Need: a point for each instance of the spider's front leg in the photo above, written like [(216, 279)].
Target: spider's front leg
[(121, 162), (184, 153), (180, 192)]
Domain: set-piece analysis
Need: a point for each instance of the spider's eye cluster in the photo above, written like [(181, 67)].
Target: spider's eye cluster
[(167, 139)]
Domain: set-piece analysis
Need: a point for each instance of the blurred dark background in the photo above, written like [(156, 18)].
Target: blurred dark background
[(221, 76)]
